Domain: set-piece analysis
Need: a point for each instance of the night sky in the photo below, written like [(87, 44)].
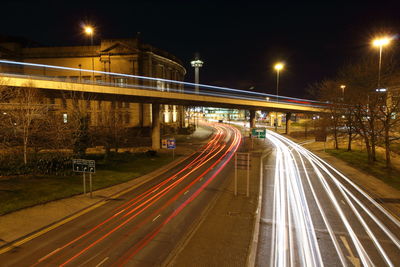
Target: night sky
[(238, 41)]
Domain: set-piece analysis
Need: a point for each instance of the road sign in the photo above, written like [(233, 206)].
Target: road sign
[(84, 165), (163, 143), (171, 144), (258, 132)]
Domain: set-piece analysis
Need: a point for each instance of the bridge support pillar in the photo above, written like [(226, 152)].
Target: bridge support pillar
[(155, 129), (271, 119), (252, 118), (288, 122)]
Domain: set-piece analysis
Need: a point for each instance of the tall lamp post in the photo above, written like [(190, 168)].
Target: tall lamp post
[(380, 43), (90, 31), (196, 64), (278, 67), (343, 87)]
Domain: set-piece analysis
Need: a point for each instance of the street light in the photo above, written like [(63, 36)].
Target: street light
[(196, 64), (380, 42), (89, 30), (343, 87), (278, 67)]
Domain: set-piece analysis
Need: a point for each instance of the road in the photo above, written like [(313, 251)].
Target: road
[(312, 215), (142, 227)]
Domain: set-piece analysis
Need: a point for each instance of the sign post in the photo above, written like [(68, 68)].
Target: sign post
[(85, 166), (171, 144), (320, 136), (242, 161)]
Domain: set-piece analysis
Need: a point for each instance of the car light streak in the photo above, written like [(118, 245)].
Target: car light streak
[(291, 211), (215, 150), (290, 208), (229, 153), (140, 208)]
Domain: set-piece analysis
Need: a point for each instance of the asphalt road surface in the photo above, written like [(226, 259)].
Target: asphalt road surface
[(142, 227), (312, 215)]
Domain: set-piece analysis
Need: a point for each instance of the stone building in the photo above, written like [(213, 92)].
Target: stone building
[(127, 56)]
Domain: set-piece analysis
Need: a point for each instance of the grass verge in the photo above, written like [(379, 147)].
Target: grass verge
[(359, 159), (24, 191)]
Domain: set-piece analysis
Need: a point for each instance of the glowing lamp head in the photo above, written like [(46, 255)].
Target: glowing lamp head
[(197, 63), (379, 42), (278, 66), (88, 30), (343, 86)]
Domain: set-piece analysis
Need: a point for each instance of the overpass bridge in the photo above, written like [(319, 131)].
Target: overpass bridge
[(140, 89)]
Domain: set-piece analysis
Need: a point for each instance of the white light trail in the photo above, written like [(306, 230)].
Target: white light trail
[(263, 95), (291, 215)]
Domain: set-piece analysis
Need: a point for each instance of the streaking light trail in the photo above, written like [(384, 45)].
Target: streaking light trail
[(311, 198), (235, 92), (141, 217)]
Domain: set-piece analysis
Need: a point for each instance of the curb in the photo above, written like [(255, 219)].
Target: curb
[(251, 259)]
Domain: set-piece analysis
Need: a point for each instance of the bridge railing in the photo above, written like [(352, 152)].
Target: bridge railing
[(86, 76)]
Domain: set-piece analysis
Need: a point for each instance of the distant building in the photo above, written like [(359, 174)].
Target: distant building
[(224, 114), (127, 56)]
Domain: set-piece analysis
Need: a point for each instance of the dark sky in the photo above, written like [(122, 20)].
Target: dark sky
[(238, 41)]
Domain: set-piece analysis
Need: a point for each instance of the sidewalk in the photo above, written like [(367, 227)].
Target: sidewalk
[(22, 225)]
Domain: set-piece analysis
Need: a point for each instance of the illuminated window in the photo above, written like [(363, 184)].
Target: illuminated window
[(120, 81), (65, 117)]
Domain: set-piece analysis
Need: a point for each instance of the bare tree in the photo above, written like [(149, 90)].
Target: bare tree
[(329, 91), (25, 109), (360, 80), (389, 109), (111, 128), (78, 119)]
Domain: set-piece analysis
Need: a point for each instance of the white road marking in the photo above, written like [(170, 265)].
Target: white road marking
[(156, 217), (48, 255), (353, 259), (103, 261)]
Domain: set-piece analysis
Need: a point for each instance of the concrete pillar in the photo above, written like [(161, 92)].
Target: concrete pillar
[(288, 122), (271, 119), (181, 116), (279, 120), (155, 130), (252, 118)]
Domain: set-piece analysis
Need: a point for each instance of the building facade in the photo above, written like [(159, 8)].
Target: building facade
[(126, 56)]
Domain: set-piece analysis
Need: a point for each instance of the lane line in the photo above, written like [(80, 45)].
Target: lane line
[(157, 217), (353, 259), (103, 261)]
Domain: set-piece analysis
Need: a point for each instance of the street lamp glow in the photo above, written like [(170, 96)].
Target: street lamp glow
[(197, 63), (89, 30), (343, 86), (278, 66), (379, 42)]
